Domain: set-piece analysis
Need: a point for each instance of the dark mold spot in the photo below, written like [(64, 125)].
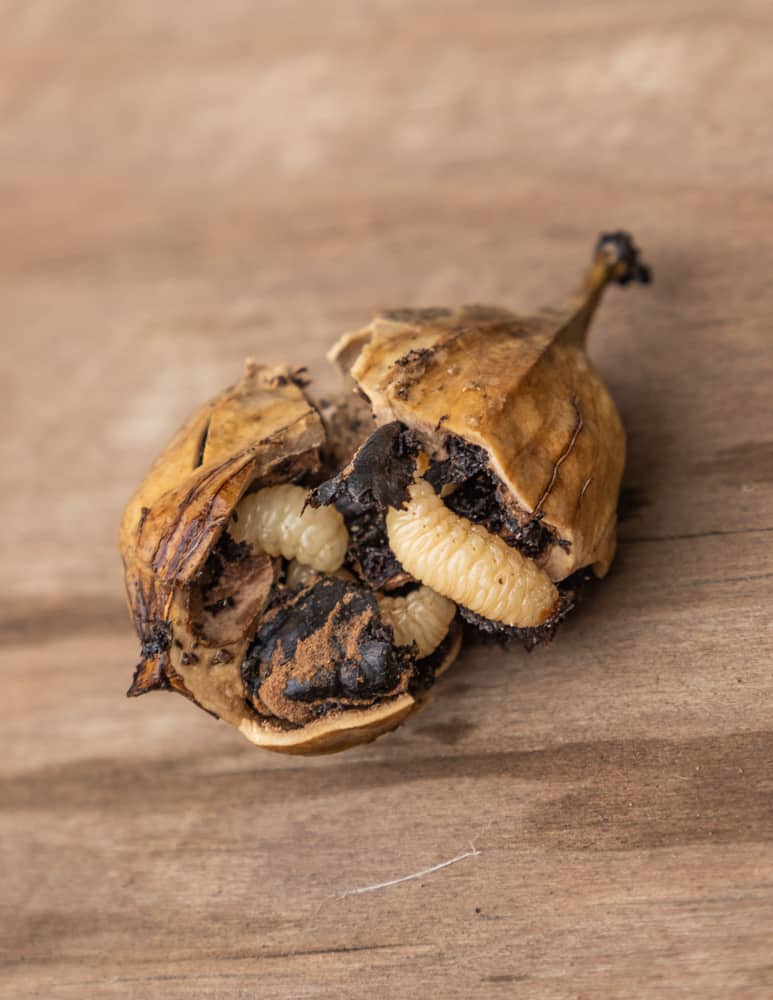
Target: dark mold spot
[(157, 640), (424, 670), (409, 369), (464, 461), (482, 499), (413, 357), (378, 477), (323, 646)]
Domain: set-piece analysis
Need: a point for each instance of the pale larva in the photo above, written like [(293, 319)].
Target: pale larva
[(422, 616), (466, 563), (274, 521)]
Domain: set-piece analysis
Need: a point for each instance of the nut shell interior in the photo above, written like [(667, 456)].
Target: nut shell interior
[(197, 596)]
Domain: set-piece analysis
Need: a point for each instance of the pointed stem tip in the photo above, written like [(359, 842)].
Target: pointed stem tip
[(621, 255), (615, 258)]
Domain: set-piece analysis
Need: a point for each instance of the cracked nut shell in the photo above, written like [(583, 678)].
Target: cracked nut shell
[(297, 669), (521, 434)]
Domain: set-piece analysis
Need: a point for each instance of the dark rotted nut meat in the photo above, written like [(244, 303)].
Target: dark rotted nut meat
[(324, 647), (377, 477)]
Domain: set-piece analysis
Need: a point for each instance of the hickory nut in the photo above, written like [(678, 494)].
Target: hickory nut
[(298, 568)]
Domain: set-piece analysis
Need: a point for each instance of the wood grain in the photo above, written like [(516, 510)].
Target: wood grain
[(185, 185)]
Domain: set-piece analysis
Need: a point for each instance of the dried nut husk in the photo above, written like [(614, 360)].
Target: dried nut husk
[(513, 415), (200, 588)]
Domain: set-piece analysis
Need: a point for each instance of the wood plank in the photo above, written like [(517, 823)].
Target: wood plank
[(183, 188)]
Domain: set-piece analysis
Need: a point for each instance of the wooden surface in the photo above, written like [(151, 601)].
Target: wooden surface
[(186, 184)]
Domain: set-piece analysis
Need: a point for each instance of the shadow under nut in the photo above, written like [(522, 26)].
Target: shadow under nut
[(466, 563), (275, 521), (422, 616)]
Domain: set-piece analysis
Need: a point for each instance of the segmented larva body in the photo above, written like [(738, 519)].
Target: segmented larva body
[(422, 616), (274, 521), (466, 563)]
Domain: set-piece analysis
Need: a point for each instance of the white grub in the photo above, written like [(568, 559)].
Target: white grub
[(421, 616), (466, 563), (274, 520)]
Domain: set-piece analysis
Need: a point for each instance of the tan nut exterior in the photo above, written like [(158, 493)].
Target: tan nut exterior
[(523, 389)]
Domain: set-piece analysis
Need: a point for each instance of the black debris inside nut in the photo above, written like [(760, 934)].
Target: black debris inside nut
[(378, 477), (320, 648), (230, 592), (482, 499), (369, 554), (157, 639), (464, 461), (571, 592), (348, 421), (226, 551), (425, 669)]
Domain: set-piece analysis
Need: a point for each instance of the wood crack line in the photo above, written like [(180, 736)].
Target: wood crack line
[(636, 540)]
